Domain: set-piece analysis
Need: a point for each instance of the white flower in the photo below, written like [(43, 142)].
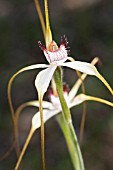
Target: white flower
[(57, 57), (52, 108)]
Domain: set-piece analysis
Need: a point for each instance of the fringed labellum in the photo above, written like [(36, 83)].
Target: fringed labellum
[(54, 54)]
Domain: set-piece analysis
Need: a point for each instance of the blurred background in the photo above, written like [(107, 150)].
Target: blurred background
[(88, 25)]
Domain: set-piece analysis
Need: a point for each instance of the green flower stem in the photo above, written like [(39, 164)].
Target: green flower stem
[(59, 87), (72, 143), (66, 125)]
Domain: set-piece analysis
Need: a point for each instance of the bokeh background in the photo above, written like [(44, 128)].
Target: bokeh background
[(88, 25)]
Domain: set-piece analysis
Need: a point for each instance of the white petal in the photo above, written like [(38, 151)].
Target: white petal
[(47, 114), (82, 67), (82, 97), (35, 66), (78, 83), (89, 69), (78, 100), (35, 103), (43, 79)]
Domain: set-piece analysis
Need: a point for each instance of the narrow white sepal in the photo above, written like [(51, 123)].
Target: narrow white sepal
[(82, 97), (89, 69), (35, 103), (84, 67), (78, 99), (47, 114), (35, 66), (78, 83), (43, 79)]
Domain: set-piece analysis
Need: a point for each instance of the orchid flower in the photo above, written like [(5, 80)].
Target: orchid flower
[(56, 57), (52, 108)]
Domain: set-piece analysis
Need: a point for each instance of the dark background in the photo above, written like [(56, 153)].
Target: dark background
[(88, 25)]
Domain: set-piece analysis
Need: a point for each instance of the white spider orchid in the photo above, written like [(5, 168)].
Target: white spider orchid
[(52, 108), (56, 57)]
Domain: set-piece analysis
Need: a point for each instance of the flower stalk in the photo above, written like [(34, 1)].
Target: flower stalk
[(72, 143), (66, 125), (59, 87)]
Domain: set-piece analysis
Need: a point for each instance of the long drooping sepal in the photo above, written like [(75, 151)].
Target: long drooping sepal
[(36, 123), (78, 83), (74, 149), (24, 148), (42, 131), (10, 99), (36, 66), (82, 97), (48, 30), (73, 93), (42, 82), (35, 103), (89, 69)]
